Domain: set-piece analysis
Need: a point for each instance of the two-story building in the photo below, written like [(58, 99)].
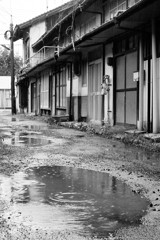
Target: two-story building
[(94, 61)]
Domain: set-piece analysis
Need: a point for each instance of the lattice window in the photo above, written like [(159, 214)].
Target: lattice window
[(61, 89), (44, 92)]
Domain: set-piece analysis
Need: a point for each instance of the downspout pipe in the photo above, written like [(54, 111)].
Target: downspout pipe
[(70, 104), (141, 82), (103, 97), (155, 80)]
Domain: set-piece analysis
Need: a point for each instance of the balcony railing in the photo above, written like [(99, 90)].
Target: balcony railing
[(40, 56)]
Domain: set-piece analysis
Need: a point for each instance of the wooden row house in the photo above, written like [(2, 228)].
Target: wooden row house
[(94, 60)]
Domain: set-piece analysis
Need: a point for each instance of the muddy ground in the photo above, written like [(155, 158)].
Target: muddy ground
[(139, 168)]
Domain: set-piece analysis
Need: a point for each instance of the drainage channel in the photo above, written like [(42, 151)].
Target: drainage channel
[(64, 198)]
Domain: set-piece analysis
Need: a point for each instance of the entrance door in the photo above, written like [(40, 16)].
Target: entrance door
[(38, 107), (54, 95), (61, 100), (94, 91), (126, 89), (33, 97)]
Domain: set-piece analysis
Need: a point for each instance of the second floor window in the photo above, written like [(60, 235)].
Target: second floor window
[(116, 5), (86, 27), (27, 49), (132, 2), (111, 7)]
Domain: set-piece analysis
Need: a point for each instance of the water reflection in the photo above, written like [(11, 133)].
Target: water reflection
[(22, 140), (65, 198), (40, 127), (28, 138)]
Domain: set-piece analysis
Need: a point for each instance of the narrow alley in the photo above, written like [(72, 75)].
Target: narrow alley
[(59, 183)]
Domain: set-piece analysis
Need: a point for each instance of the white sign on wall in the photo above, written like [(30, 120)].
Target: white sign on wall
[(135, 76)]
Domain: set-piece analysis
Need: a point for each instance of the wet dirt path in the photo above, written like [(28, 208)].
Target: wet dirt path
[(71, 148)]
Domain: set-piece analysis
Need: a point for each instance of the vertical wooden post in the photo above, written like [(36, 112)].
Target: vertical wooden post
[(103, 73), (141, 82), (70, 104), (155, 80), (13, 101)]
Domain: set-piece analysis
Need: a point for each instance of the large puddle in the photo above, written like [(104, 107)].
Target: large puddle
[(63, 198)]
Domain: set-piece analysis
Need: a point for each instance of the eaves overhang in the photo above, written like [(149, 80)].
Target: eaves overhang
[(40, 43), (82, 4), (139, 5), (131, 20), (19, 28)]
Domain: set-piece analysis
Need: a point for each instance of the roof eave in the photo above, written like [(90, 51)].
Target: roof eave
[(46, 35), (41, 17), (103, 27)]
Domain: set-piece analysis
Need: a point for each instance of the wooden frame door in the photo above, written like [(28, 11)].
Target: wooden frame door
[(126, 89), (94, 91)]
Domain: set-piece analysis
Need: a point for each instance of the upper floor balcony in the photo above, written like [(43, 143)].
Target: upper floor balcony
[(42, 55)]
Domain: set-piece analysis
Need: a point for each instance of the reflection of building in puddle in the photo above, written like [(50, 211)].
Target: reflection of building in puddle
[(39, 215), (21, 139), (77, 199), (37, 192), (30, 139), (19, 188), (36, 127)]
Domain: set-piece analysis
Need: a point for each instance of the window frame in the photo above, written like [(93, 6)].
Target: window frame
[(61, 87)]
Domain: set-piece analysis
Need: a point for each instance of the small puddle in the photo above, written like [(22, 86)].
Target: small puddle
[(28, 137), (40, 127), (22, 139), (64, 198)]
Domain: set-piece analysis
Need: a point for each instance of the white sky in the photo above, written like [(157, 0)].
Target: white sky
[(23, 10)]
